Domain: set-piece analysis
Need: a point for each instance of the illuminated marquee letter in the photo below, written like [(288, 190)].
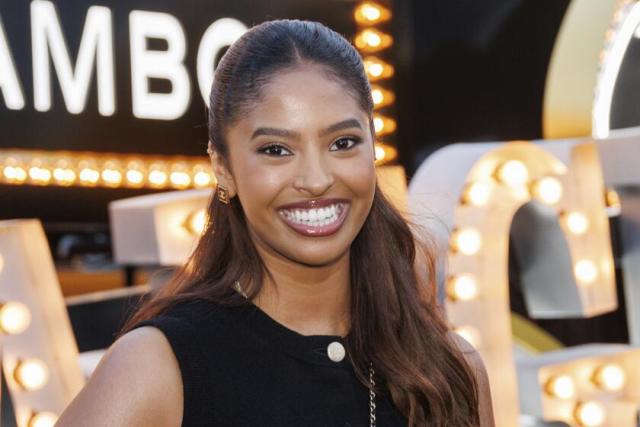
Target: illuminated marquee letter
[(9, 85), (40, 357), (220, 34), (96, 45), (477, 201), (167, 64)]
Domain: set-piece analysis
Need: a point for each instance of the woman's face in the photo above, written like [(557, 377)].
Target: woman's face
[(302, 164)]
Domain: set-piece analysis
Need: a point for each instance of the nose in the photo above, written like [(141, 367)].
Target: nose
[(314, 176)]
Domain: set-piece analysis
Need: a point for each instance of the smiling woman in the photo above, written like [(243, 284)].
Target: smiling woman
[(301, 305)]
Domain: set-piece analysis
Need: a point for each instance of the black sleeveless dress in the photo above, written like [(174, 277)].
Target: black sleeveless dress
[(242, 368)]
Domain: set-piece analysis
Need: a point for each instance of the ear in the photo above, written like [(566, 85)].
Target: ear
[(222, 173)]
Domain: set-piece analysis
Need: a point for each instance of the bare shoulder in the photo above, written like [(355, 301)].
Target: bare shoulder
[(474, 360), (136, 384)]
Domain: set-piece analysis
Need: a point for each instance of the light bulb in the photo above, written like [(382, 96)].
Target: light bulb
[(179, 177), (477, 193), (372, 40), (134, 176), (15, 317), (383, 125), (377, 69), (610, 377), (43, 419), (467, 241), (369, 13), (63, 174), (31, 374), (561, 386), (111, 174), (39, 173), (590, 414), (577, 222), (548, 190), (157, 175), (196, 222), (88, 174), (462, 287), (585, 271), (514, 173)]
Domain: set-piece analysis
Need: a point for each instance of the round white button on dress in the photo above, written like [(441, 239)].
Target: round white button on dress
[(336, 351)]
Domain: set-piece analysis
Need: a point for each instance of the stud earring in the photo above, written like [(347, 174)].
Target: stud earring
[(223, 195)]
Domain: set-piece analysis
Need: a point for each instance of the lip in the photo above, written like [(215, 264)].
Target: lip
[(315, 231)]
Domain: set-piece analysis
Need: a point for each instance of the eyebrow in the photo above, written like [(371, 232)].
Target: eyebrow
[(284, 133)]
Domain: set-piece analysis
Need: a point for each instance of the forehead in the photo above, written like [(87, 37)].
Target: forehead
[(305, 98)]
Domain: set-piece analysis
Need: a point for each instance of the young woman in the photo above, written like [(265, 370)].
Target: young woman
[(301, 305)]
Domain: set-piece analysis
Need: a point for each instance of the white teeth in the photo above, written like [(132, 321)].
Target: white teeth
[(316, 217)]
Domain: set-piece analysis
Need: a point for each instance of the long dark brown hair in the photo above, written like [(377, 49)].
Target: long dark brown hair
[(396, 322)]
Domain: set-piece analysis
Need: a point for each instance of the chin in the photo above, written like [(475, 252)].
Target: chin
[(316, 257)]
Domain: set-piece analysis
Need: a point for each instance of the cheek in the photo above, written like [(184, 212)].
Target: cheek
[(257, 184), (359, 176)]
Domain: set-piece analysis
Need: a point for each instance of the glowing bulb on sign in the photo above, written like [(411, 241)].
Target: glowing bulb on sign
[(590, 414), (134, 177), (31, 374), (179, 177), (157, 175), (514, 173), (467, 241), (38, 173), (377, 69), (201, 176), (462, 287), (196, 222), (381, 97), (561, 386), (577, 222), (89, 174), (610, 377), (43, 419), (586, 272), (477, 193), (111, 174), (15, 317), (548, 190), (63, 174), (379, 153), (372, 40)]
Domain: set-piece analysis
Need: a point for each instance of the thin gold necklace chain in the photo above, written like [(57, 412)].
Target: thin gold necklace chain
[(372, 397), (372, 383)]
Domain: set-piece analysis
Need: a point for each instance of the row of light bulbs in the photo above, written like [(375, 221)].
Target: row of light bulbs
[(98, 170), (30, 374), (607, 377), (370, 40)]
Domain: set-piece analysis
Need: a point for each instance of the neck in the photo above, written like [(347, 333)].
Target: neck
[(308, 300)]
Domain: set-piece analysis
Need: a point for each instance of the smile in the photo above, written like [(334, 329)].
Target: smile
[(324, 219)]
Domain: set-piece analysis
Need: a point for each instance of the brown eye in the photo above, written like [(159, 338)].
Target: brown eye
[(344, 144), (275, 150)]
